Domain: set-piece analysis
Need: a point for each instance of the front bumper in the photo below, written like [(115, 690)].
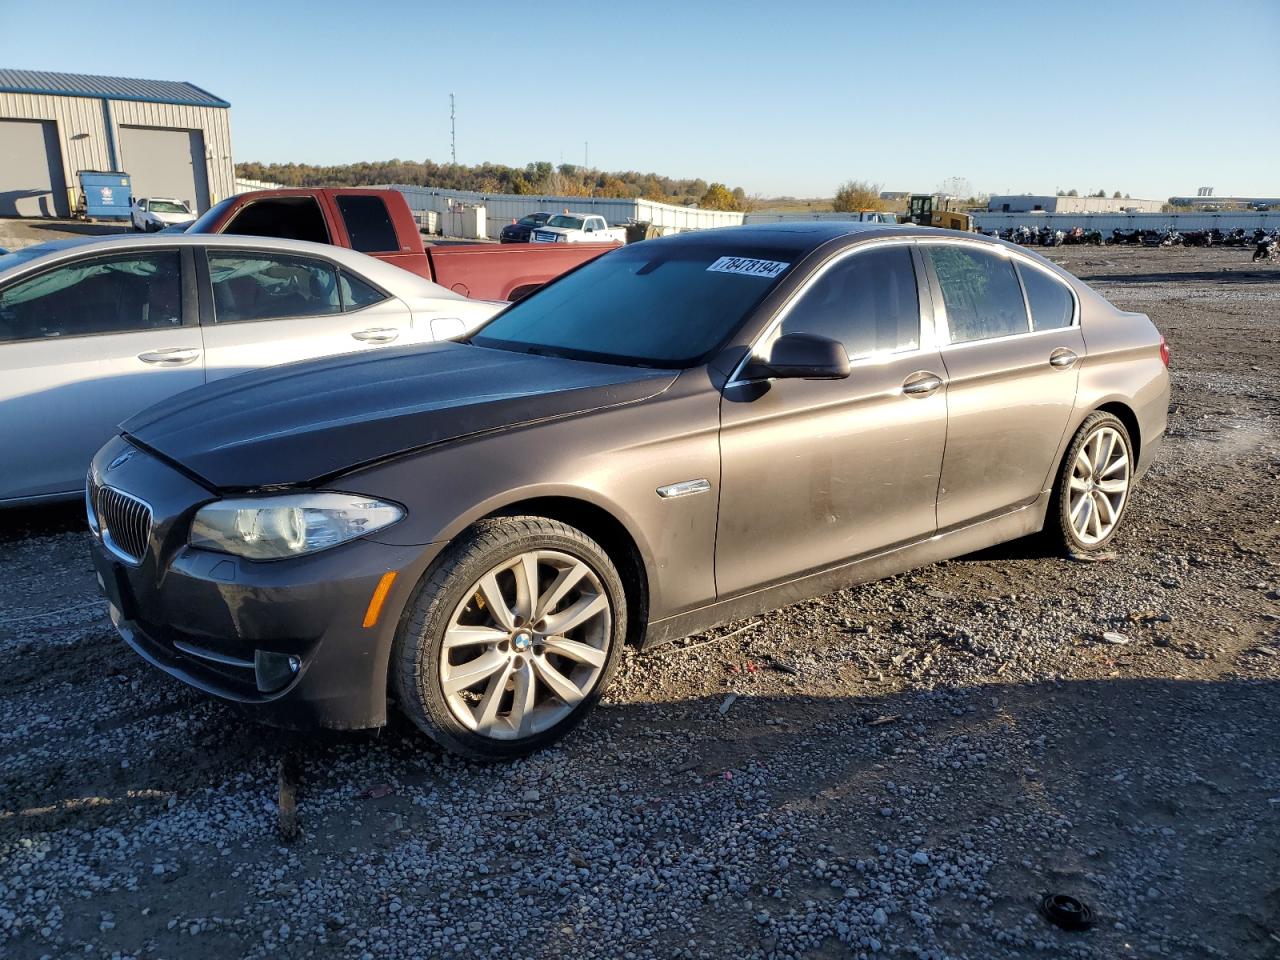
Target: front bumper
[(285, 639)]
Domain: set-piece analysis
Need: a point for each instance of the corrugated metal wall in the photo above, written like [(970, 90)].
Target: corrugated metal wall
[(501, 209), (89, 135), (767, 217)]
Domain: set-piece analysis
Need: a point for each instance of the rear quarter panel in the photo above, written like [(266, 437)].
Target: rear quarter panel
[(1122, 366)]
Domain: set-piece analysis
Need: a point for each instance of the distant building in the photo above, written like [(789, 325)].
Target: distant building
[(895, 194), (1210, 202), (171, 137), (1029, 203)]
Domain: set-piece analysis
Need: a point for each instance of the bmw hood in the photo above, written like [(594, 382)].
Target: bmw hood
[(298, 423)]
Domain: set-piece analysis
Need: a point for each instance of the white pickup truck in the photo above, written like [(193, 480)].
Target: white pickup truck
[(578, 228)]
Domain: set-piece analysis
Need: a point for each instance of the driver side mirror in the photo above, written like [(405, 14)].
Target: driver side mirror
[(800, 356)]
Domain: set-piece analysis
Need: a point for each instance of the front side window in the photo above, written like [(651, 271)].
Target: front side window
[(654, 304), (115, 294), (1052, 306), (868, 301), (260, 286), (290, 218), (981, 293), (368, 224)]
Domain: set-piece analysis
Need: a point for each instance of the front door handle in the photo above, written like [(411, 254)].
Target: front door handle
[(377, 334), (1062, 358), (922, 383), (171, 356)]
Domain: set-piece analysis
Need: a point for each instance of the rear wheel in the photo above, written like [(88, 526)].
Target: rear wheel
[(1092, 489), (512, 638)]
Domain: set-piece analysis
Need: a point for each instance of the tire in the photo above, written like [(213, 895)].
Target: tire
[(1079, 527), (520, 656)]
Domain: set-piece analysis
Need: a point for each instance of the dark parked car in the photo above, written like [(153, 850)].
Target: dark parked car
[(681, 432), (522, 229)]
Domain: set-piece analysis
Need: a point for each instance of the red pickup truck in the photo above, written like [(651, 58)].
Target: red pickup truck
[(379, 223)]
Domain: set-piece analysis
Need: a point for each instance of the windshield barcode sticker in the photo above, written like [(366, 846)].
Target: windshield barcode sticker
[(748, 267)]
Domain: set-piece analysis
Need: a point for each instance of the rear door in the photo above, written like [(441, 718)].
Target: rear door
[(264, 307), (1012, 382), (83, 346), (365, 223)]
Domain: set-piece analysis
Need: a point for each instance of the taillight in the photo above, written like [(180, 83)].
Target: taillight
[(1164, 352)]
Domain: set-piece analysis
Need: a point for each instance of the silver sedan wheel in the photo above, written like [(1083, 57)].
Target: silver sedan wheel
[(526, 646), (1099, 485)]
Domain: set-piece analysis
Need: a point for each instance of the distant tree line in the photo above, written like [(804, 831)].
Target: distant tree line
[(565, 180)]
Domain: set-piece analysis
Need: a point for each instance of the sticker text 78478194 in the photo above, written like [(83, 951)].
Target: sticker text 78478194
[(748, 267)]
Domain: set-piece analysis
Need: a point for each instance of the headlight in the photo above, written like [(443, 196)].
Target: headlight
[(271, 528)]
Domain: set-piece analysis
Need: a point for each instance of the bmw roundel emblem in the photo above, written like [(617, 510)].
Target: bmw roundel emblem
[(121, 460)]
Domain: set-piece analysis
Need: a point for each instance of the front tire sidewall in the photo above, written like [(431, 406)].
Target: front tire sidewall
[(1062, 495), (416, 656)]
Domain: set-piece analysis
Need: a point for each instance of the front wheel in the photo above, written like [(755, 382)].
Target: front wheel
[(511, 639), (1093, 485)]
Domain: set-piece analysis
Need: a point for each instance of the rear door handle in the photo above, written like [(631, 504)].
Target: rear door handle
[(921, 384), (377, 334), (1062, 358), (171, 356)]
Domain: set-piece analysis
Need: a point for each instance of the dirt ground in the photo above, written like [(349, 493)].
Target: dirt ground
[(902, 768)]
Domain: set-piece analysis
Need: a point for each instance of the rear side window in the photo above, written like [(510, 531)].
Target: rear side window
[(258, 286), (368, 224), (290, 218), (868, 301), (103, 295), (1052, 306), (356, 293), (981, 292)]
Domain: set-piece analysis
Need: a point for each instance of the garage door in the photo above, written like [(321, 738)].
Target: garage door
[(31, 181), (166, 163)]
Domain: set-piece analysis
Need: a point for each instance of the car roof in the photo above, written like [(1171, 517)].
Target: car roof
[(803, 236), (394, 279)]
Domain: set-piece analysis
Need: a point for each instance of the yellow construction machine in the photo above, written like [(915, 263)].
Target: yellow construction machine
[(924, 211)]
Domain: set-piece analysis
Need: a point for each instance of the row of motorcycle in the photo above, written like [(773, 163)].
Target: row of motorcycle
[(1266, 244)]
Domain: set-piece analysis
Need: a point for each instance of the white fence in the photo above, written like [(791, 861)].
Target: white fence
[(767, 217), (501, 209), (245, 185)]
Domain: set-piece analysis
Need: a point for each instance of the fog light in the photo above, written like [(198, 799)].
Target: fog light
[(274, 671)]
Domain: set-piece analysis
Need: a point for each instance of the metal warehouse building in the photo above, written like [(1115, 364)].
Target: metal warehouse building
[(1027, 203), (172, 138)]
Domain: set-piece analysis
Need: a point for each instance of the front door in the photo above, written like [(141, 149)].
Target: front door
[(814, 473), (270, 307), (1012, 377), (83, 347)]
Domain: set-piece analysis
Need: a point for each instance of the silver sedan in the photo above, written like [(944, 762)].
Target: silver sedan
[(95, 330)]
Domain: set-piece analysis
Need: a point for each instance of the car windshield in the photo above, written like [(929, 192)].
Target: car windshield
[(534, 219), (652, 304), (572, 223), (167, 206)]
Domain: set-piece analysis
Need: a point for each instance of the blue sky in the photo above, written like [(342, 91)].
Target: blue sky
[(1150, 98)]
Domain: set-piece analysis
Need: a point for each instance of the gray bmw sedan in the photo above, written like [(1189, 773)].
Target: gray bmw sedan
[(682, 432)]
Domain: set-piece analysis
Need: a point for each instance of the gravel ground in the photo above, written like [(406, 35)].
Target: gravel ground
[(902, 768)]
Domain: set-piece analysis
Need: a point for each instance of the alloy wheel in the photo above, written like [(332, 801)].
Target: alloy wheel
[(527, 645), (1099, 485)]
